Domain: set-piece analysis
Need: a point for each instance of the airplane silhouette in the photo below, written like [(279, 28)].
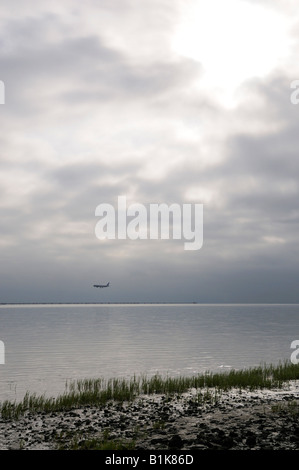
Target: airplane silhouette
[(101, 286)]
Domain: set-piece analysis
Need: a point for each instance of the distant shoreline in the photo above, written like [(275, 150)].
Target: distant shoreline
[(101, 303), (146, 303)]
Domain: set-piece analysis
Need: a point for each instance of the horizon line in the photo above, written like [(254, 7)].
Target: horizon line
[(149, 303)]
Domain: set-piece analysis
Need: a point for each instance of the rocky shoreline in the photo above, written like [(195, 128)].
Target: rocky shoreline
[(238, 420)]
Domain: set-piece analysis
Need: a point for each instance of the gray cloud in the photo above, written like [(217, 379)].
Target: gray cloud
[(99, 105)]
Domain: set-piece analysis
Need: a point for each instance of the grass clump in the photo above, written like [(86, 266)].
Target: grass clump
[(66, 441), (291, 407), (99, 392), (207, 396)]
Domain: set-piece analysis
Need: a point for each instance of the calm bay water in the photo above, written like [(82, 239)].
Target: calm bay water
[(46, 345)]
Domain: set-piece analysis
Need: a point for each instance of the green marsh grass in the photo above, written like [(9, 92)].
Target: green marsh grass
[(99, 392), (77, 441)]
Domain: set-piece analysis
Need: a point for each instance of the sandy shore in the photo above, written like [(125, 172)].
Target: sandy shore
[(240, 420)]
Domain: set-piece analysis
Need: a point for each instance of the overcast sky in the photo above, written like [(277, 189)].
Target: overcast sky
[(163, 101)]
